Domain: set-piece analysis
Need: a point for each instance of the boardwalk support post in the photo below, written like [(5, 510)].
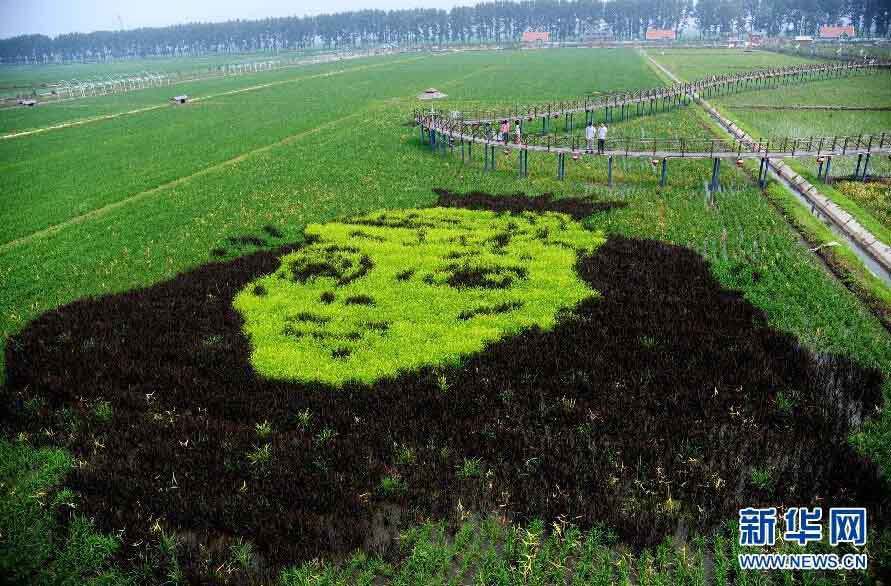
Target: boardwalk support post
[(716, 175), (664, 179), (865, 167), (762, 173), (609, 171), (826, 170), (857, 170)]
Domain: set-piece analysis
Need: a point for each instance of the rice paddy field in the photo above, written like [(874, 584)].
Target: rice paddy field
[(270, 337), (21, 79), (813, 109)]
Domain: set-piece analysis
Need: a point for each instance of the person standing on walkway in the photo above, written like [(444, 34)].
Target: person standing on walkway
[(589, 137), (518, 133), (505, 131), (601, 138)]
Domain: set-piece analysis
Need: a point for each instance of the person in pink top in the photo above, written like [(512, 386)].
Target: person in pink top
[(505, 131)]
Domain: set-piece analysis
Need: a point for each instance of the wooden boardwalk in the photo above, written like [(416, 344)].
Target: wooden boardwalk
[(459, 135), (618, 106)]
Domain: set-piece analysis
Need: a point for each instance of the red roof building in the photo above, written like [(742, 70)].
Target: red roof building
[(660, 35), (536, 37), (837, 32)]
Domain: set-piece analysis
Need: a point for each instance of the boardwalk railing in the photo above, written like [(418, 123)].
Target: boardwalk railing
[(664, 147), (619, 105)]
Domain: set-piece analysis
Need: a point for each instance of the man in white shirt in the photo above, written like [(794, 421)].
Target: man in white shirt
[(589, 137), (601, 138)]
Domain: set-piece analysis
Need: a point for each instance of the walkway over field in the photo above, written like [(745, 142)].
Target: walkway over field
[(621, 104), (448, 131), (458, 135), (463, 129)]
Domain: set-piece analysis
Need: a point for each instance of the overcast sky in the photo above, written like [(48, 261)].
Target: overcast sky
[(53, 17)]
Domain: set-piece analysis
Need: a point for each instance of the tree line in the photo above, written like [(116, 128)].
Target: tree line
[(486, 22)]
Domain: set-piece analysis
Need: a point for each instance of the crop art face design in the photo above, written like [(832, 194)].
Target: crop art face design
[(392, 291)]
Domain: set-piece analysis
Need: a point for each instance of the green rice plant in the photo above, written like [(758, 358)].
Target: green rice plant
[(325, 436), (304, 418), (241, 554), (168, 543), (873, 197), (392, 486), (63, 499), (264, 430), (405, 455), (69, 420), (785, 403), (37, 547), (471, 468), (722, 564), (690, 64), (410, 288), (762, 479), (103, 412), (260, 456), (442, 382), (568, 404), (212, 341), (33, 405)]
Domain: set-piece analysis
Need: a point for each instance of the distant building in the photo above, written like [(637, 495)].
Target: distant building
[(657, 34), (837, 32), (804, 39), (755, 40), (533, 37)]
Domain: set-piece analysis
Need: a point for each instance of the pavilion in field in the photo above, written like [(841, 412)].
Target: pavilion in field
[(431, 94)]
